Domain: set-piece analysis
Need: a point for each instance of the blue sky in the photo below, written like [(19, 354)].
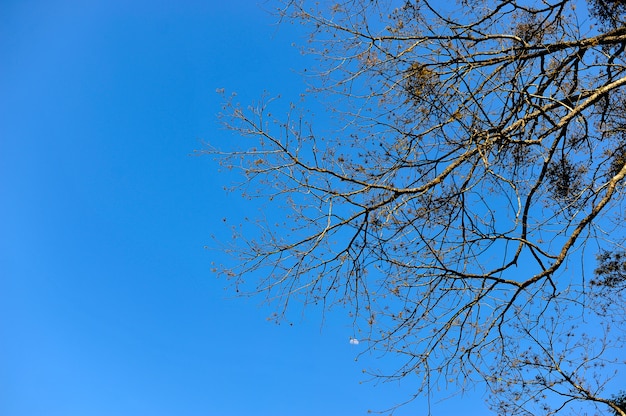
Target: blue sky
[(107, 301), (108, 305)]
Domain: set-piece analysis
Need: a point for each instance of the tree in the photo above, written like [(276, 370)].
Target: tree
[(473, 168)]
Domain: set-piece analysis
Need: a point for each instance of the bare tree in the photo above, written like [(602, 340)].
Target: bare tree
[(471, 172)]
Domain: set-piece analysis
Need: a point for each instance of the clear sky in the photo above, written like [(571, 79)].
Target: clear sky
[(107, 301)]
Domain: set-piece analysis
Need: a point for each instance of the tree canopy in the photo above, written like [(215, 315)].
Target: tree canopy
[(464, 197)]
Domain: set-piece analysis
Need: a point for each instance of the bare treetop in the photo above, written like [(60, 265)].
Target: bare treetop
[(472, 170)]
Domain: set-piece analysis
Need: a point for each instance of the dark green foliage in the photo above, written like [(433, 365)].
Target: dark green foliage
[(611, 272), (620, 400)]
